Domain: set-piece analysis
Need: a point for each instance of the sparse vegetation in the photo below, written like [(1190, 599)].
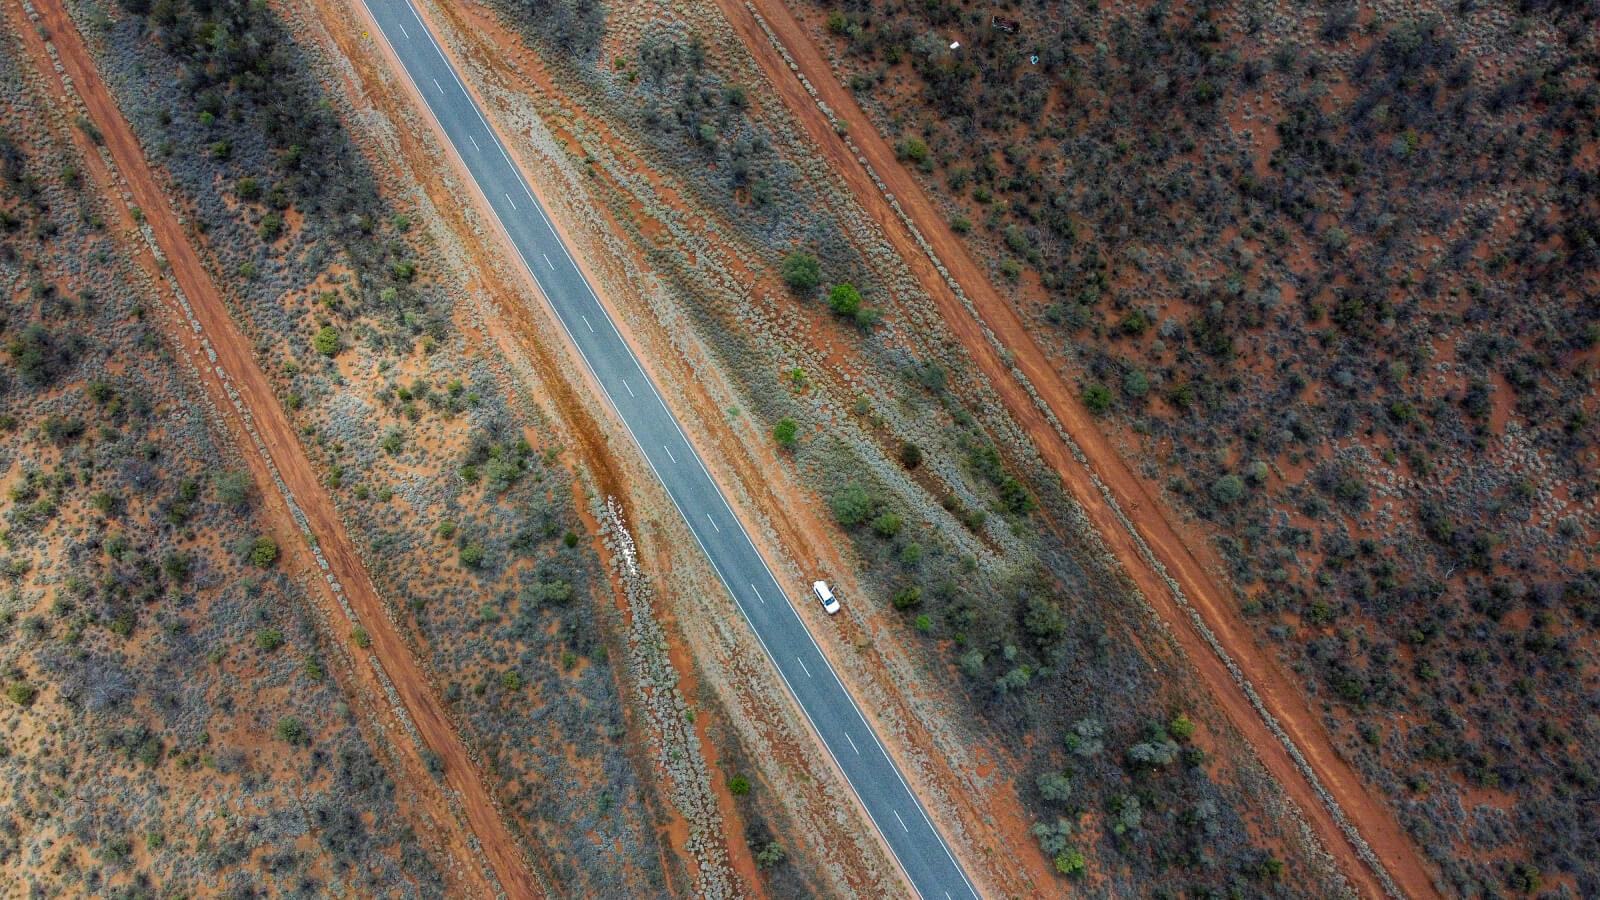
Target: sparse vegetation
[(126, 569), (1293, 238)]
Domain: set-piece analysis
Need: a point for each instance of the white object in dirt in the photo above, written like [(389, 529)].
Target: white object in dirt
[(955, 45), (830, 603)]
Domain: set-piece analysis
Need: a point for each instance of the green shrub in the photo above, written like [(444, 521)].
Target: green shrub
[(1182, 727), (1136, 383), (738, 785), (271, 227), (293, 731), (269, 639), (327, 341), (910, 455), (264, 552), (22, 693), (852, 506), (844, 299), (786, 433), (472, 555), (913, 149), (1227, 490), (1098, 398), (770, 855), (1069, 862), (1055, 787), (908, 597), (802, 272), (361, 637), (234, 488)]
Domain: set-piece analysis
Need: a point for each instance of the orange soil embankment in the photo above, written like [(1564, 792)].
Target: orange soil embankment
[(1192, 567), (270, 422)]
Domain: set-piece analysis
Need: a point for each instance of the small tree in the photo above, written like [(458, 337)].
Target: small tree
[(1069, 862), (293, 731), (786, 433), (908, 597), (887, 525), (802, 272), (910, 455), (852, 505), (1098, 398), (770, 855), (327, 341), (844, 299), (264, 552), (1182, 727), (1227, 490), (234, 489)]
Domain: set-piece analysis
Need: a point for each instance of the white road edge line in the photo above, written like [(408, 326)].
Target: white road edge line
[(562, 244)]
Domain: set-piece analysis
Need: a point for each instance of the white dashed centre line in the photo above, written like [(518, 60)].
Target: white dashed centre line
[(474, 143), (758, 595), (713, 523), (586, 322), (404, 31), (625, 385), (901, 821), (803, 666), (669, 454), (852, 743), (512, 202), (548, 262), (436, 85)]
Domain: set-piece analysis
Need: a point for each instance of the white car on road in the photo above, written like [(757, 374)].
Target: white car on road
[(830, 603)]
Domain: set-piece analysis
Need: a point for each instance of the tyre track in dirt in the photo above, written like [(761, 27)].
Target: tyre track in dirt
[(281, 466), (1177, 578)]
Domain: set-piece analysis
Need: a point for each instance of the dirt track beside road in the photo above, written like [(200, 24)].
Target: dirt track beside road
[(1130, 517), (260, 417)]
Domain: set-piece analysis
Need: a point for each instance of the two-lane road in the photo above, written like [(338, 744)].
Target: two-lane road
[(893, 808)]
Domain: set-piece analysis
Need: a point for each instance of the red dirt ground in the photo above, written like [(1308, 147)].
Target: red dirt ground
[(1192, 566), (504, 855)]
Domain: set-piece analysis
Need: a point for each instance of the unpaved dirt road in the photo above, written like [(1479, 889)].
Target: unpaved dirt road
[(503, 854), (1191, 567)]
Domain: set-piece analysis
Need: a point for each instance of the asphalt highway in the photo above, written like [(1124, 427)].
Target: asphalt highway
[(895, 811)]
